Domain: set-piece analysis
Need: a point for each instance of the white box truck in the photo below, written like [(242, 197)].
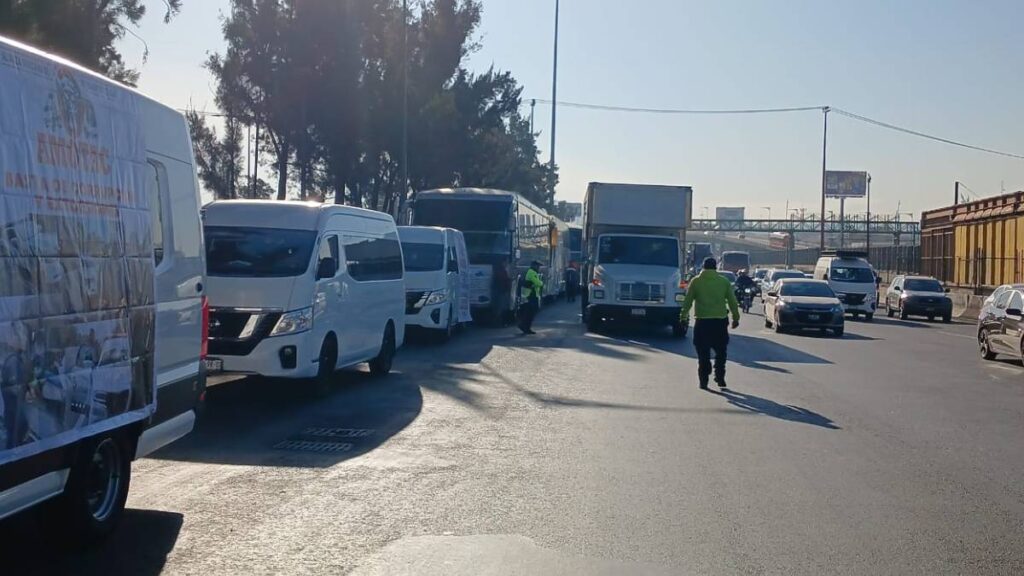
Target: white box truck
[(634, 236)]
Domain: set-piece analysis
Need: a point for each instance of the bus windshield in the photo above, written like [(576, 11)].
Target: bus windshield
[(638, 250), (465, 214)]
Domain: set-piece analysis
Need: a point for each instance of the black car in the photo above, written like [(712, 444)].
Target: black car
[(1001, 328), (918, 296)]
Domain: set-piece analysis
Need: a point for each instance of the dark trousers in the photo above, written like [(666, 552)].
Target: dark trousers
[(527, 312), (711, 334), (570, 292)]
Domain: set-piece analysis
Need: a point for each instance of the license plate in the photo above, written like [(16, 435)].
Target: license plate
[(638, 312), (929, 309), (813, 317), (213, 365)]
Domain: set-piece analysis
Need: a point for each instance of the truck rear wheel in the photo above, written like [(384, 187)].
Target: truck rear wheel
[(93, 500)]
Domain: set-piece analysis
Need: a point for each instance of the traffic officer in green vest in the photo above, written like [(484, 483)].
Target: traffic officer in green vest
[(715, 299), (531, 290)]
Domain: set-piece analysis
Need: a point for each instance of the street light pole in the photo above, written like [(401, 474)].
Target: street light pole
[(824, 149), (554, 88), (868, 231), (405, 108)]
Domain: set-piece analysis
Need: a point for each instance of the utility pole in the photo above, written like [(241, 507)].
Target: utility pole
[(405, 109), (533, 104), (824, 150), (868, 229), (956, 192), (554, 88)]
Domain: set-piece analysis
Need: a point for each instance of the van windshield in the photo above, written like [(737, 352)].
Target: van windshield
[(421, 257), (638, 250), (848, 274), (257, 252), (922, 285)]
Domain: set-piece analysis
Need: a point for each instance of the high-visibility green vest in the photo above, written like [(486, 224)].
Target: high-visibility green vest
[(533, 285)]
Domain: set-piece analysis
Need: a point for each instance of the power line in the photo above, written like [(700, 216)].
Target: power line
[(923, 135), (608, 108), (851, 115)]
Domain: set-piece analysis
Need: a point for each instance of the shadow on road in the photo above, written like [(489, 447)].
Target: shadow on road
[(282, 423), (771, 408), (140, 545)]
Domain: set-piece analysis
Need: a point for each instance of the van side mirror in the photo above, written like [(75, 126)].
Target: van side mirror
[(772, 293), (1014, 312), (327, 268), (946, 290), (897, 289)]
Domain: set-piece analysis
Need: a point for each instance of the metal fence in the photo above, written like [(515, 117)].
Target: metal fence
[(891, 261)]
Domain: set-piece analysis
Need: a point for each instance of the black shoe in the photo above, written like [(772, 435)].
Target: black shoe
[(720, 382), (703, 384), (529, 332), (523, 330)]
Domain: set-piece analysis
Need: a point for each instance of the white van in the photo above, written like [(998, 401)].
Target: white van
[(302, 289), (101, 352), (437, 278), (852, 279)]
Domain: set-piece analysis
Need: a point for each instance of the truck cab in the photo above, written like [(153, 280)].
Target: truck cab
[(634, 236)]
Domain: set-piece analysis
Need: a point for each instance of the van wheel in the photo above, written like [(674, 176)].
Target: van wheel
[(326, 364), (903, 313), (381, 365), (889, 311), (93, 501)]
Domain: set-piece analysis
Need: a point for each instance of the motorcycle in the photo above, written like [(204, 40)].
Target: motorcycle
[(746, 299)]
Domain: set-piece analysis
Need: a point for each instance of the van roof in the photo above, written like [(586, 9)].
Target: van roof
[(290, 214)]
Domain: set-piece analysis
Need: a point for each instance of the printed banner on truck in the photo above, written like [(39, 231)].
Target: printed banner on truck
[(77, 278)]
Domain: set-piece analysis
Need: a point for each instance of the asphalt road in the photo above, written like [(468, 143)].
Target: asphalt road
[(895, 450)]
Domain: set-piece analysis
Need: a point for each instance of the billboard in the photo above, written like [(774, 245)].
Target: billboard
[(839, 184), (726, 213)]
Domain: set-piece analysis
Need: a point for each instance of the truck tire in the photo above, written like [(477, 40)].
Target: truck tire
[(593, 323), (93, 500)]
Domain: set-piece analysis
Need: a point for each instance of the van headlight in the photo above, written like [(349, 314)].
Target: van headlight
[(294, 322), (436, 297)]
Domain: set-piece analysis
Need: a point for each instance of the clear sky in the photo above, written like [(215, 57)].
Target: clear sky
[(950, 68)]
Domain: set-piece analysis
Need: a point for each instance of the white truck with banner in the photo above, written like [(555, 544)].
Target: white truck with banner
[(82, 228), (634, 236)]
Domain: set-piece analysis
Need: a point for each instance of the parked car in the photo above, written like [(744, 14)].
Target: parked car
[(918, 296), (797, 303), (301, 289), (994, 295), (1001, 330), (437, 278)]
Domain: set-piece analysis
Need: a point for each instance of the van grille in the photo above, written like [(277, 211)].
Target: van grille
[(226, 328), (852, 299), (641, 292)]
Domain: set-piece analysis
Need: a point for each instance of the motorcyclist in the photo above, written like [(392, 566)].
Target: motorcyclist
[(743, 282)]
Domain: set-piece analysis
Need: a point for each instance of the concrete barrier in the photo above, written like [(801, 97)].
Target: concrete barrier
[(966, 306)]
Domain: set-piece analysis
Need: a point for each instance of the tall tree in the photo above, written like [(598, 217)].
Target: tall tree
[(218, 159), (83, 31)]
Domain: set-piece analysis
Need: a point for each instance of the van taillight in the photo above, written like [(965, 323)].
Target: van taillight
[(204, 347)]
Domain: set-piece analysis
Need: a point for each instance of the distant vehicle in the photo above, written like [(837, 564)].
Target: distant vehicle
[(918, 296), (82, 397), (299, 290), (758, 276), (734, 261), (852, 279), (1001, 329), (780, 241), (634, 236), (698, 252), (504, 232), (776, 274), (436, 278), (995, 295), (795, 303), (575, 245), (729, 275)]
